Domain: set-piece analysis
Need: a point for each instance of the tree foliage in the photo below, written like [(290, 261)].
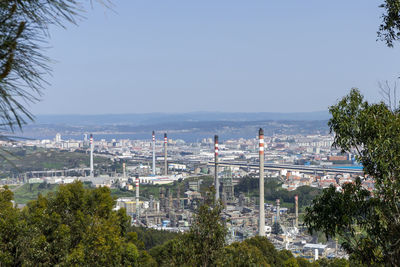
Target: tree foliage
[(78, 227), (151, 237), (204, 242), (368, 223), (389, 29), (73, 226)]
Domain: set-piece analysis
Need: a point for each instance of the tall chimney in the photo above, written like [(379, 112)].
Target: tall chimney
[(124, 169), (154, 153), (137, 198), (278, 210), (261, 228), (165, 155), (91, 156), (216, 181), (296, 204)]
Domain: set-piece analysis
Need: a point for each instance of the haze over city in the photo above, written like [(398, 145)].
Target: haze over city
[(241, 56)]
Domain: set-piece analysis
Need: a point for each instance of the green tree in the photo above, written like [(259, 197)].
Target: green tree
[(208, 231), (78, 226), (175, 252), (389, 29), (241, 254), (148, 238), (203, 244), (267, 249), (334, 263), (291, 262), (368, 224), (11, 228), (73, 226)]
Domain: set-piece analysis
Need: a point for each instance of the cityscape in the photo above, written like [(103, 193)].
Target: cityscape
[(199, 133), (177, 170)]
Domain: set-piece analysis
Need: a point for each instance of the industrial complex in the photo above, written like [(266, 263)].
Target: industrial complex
[(177, 173)]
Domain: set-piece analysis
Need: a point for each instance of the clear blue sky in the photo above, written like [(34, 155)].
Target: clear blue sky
[(225, 55)]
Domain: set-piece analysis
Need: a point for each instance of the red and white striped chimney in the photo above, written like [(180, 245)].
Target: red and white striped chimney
[(154, 153), (296, 204), (91, 156), (137, 197), (216, 181), (261, 228), (165, 155)]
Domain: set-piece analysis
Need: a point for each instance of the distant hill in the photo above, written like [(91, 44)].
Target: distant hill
[(189, 131), (157, 118)]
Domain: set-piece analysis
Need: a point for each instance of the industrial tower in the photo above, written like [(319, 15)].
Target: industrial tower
[(154, 153), (216, 181), (261, 228), (91, 156)]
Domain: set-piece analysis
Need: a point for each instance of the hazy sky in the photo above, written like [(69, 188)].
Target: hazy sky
[(225, 55)]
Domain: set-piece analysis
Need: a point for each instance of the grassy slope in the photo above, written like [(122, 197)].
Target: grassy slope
[(29, 192), (37, 159)]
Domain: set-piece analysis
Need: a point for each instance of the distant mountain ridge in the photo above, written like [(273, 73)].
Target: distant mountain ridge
[(156, 118)]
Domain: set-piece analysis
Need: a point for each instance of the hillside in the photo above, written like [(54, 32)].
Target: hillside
[(20, 160)]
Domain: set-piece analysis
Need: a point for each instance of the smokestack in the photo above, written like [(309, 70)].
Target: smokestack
[(154, 153), (124, 169), (296, 204), (165, 155), (261, 171), (91, 156), (216, 181), (278, 209), (137, 198)]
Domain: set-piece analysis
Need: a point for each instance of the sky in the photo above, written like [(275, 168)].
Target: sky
[(228, 55)]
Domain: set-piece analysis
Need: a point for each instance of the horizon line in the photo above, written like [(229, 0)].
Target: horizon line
[(180, 113)]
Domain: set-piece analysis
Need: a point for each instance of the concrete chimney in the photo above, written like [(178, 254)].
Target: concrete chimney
[(91, 156), (216, 181), (296, 205), (261, 228), (124, 169), (278, 210), (154, 153), (137, 198), (165, 155)]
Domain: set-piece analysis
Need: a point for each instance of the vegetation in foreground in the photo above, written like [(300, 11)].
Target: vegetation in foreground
[(368, 223), (75, 226)]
